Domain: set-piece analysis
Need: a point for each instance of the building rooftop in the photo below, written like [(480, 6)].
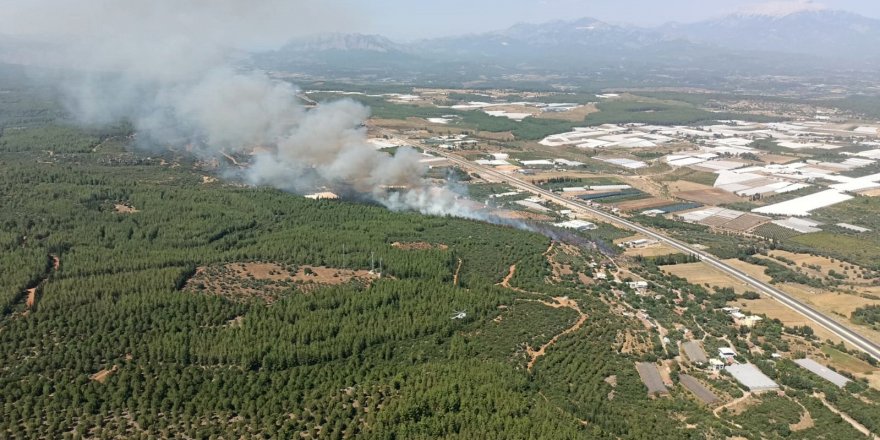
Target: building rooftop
[(823, 372), (751, 377)]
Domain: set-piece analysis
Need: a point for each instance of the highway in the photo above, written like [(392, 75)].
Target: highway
[(848, 335)]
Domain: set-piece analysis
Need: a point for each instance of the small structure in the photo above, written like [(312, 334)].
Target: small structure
[(651, 378), (823, 372), (639, 286), (695, 352), (578, 225), (751, 377), (640, 243), (323, 196), (726, 353), (748, 321), (537, 163), (853, 228), (716, 365)]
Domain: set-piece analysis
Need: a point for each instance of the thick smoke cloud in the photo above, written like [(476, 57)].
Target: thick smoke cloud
[(170, 67)]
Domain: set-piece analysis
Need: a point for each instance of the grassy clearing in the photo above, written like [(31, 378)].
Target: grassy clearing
[(846, 361), (660, 113), (860, 250)]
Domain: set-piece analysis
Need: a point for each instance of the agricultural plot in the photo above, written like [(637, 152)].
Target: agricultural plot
[(643, 204), (651, 378), (775, 232), (698, 389), (242, 281), (707, 196), (746, 222)]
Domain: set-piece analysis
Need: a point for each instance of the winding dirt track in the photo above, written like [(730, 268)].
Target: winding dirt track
[(506, 281), (561, 302), (31, 300), (457, 272)]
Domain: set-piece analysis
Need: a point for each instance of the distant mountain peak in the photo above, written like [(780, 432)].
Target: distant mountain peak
[(345, 42), (779, 9)]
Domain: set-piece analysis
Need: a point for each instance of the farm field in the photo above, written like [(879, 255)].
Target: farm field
[(709, 196), (704, 275)]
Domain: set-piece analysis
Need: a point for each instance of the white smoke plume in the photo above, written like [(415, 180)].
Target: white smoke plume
[(170, 67)]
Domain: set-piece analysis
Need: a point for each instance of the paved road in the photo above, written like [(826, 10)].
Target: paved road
[(857, 340)]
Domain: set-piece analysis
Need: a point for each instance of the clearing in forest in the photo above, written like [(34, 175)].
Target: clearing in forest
[(267, 281), (560, 257), (104, 374), (124, 208), (418, 246)]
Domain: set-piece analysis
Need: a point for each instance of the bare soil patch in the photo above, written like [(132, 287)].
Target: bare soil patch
[(560, 269), (737, 406), (502, 136), (712, 196), (456, 277), (871, 193), (574, 115), (778, 159), (806, 422), (506, 281), (776, 310), (703, 274), (31, 298), (267, 281), (655, 250), (685, 185), (643, 204), (104, 374), (418, 246), (523, 215), (124, 208)]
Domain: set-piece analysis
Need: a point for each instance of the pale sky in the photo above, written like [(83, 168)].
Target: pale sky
[(409, 19), (267, 23)]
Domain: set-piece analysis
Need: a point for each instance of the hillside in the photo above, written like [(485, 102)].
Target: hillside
[(145, 296)]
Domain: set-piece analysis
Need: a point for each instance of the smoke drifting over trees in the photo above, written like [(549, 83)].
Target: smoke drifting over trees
[(170, 68)]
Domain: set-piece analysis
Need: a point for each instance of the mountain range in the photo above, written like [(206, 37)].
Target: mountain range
[(770, 43)]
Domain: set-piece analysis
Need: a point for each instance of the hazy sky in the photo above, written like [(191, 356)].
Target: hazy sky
[(420, 18), (270, 22)]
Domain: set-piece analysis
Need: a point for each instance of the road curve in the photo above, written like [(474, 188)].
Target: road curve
[(857, 340)]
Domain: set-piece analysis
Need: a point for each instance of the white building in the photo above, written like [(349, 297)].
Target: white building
[(579, 225), (726, 353)]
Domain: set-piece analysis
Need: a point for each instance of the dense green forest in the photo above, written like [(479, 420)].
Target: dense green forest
[(110, 344), (102, 337)]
